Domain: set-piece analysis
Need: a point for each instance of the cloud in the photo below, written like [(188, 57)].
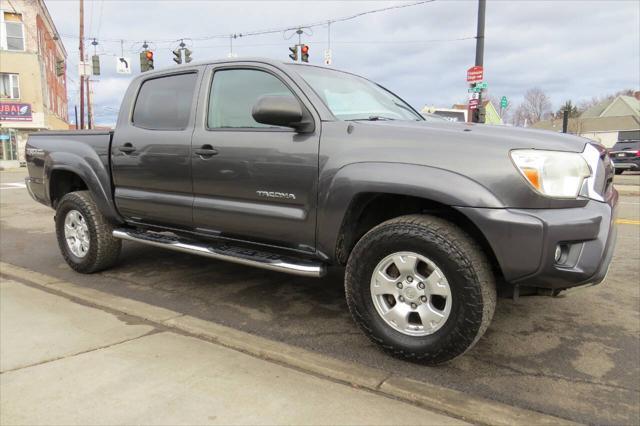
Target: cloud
[(571, 49)]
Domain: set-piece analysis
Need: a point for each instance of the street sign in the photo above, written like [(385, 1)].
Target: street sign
[(327, 57), (482, 85), (84, 68), (474, 89), (503, 102), (475, 74), (123, 65), (474, 95), (473, 103)]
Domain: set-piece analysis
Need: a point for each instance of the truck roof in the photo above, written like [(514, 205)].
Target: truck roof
[(273, 62)]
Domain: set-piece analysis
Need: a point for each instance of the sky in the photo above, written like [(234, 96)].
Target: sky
[(570, 49)]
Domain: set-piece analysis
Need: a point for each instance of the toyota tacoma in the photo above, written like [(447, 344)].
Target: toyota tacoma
[(297, 168)]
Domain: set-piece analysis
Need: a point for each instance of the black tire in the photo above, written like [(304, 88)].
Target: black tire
[(467, 270), (619, 171), (103, 250)]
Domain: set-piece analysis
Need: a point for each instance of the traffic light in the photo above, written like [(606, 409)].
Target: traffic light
[(146, 60), (177, 56), (95, 65), (60, 68), (187, 55), (294, 53), (304, 50)]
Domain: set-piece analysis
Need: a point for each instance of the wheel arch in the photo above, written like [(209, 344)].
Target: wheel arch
[(364, 195), (66, 172)]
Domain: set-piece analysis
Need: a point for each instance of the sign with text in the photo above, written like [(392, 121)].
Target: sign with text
[(327, 57), (475, 74), (473, 103), (84, 68), (15, 112)]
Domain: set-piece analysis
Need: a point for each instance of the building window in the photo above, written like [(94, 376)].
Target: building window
[(11, 31), (8, 145), (9, 86)]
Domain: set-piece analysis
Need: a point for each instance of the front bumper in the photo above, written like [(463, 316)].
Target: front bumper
[(525, 241)]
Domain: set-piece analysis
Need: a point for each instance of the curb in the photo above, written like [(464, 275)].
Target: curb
[(449, 401), (627, 189)]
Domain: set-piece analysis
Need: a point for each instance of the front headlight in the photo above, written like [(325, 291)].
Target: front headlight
[(552, 173)]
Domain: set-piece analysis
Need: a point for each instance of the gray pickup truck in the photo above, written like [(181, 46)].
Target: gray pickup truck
[(297, 168)]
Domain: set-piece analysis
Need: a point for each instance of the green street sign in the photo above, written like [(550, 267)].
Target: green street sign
[(474, 90), (482, 85), (503, 102)]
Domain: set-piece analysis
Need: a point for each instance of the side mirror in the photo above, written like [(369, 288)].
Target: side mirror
[(281, 111)]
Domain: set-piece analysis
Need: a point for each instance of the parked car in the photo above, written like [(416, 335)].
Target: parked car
[(297, 168), (625, 156)]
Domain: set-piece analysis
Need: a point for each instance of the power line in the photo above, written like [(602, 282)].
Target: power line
[(271, 30), (215, 46)]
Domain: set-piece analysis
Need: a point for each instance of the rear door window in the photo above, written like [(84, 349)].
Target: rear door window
[(164, 103)]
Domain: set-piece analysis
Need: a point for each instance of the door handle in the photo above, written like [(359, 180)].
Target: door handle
[(127, 148), (206, 151)]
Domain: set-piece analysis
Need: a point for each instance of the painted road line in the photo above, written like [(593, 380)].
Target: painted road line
[(453, 402), (17, 185), (627, 222)]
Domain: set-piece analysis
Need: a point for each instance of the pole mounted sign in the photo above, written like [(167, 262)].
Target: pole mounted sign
[(475, 74), (473, 103), (123, 65)]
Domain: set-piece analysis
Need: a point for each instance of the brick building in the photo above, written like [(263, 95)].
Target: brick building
[(33, 87)]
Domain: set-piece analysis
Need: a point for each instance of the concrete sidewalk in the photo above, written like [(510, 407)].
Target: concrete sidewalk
[(63, 362)]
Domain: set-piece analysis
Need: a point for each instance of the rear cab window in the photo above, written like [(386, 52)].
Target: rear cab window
[(627, 146), (164, 103)]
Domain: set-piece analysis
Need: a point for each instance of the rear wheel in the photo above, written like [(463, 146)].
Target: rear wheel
[(84, 235), (420, 288)]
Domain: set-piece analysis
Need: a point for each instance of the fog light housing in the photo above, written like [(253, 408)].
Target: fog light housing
[(558, 254)]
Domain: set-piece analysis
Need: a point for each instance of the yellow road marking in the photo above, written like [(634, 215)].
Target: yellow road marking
[(627, 222)]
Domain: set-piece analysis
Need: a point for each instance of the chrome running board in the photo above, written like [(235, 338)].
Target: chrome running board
[(226, 252)]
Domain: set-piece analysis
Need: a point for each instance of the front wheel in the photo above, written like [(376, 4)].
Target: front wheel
[(420, 288), (84, 235)]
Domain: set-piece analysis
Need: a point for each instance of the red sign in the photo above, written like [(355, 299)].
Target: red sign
[(15, 112), (473, 103), (475, 74)]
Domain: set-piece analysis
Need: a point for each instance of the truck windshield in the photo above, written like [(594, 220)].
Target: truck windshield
[(350, 97)]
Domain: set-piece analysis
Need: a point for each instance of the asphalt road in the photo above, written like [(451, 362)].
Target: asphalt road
[(575, 356)]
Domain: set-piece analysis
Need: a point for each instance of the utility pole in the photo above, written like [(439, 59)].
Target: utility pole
[(89, 106), (81, 59), (482, 5)]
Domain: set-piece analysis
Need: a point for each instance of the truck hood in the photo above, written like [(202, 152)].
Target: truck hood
[(480, 153), (407, 133)]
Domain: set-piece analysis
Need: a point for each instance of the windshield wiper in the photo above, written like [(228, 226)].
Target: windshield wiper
[(373, 118), (407, 109)]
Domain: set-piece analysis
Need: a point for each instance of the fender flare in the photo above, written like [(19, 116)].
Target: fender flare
[(445, 187), (93, 173)]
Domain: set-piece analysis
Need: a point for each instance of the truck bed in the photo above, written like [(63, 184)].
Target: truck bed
[(57, 151)]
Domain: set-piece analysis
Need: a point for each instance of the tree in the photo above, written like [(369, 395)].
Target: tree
[(568, 106), (535, 107)]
